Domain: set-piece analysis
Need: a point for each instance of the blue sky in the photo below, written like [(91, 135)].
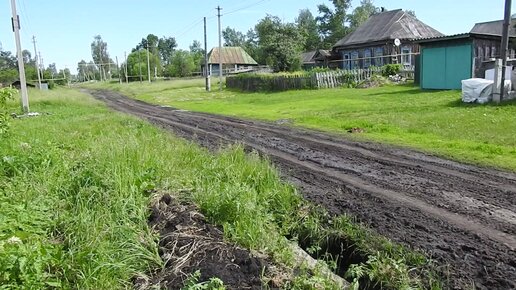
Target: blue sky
[(65, 29)]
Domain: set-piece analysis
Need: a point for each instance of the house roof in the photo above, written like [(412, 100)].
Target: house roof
[(493, 28), (388, 25), (308, 57), (311, 56), (231, 55)]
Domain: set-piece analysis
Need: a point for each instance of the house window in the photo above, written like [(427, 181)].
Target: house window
[(378, 53), (347, 62), (406, 57), (354, 60), (512, 54), (480, 52), (367, 57), (493, 51), (488, 52)]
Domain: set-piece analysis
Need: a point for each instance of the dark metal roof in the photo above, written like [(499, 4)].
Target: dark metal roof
[(443, 38), (311, 56), (308, 57), (388, 25), (493, 28), (231, 55)]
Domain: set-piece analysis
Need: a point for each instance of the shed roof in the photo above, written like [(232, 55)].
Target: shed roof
[(308, 57), (388, 25), (493, 28), (231, 55)]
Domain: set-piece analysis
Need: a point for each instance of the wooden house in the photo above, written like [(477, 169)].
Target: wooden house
[(234, 60), (446, 61), (316, 58), (373, 43)]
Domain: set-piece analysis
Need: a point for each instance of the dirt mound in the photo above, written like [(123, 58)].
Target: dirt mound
[(189, 244)]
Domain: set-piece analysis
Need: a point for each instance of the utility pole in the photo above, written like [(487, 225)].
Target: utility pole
[(118, 70), (140, 65), (126, 76), (206, 69), (220, 48), (41, 65), (36, 58), (148, 64), (505, 43), (15, 20)]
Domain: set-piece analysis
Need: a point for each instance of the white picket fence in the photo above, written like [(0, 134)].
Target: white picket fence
[(333, 79)]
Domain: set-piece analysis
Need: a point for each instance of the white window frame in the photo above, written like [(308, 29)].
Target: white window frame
[(378, 54), (368, 55), (347, 60), (355, 62), (406, 55)]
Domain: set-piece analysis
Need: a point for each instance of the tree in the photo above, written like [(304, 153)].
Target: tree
[(166, 48), (137, 60), (27, 57), (282, 43), (182, 64), (362, 13), (233, 37), (197, 53), (332, 22), (100, 55), (307, 24)]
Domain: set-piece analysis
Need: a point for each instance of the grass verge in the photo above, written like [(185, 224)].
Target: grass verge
[(432, 121), (75, 185)]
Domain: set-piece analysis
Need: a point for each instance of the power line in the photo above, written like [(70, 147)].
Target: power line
[(245, 7)]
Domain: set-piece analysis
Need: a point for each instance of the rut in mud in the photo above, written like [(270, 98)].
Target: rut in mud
[(463, 216)]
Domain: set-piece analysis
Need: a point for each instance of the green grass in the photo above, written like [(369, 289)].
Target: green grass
[(433, 121), (76, 183)]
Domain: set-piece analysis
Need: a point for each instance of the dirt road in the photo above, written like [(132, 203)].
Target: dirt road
[(463, 216)]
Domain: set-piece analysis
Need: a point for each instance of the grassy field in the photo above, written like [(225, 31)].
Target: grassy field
[(433, 121), (75, 188)]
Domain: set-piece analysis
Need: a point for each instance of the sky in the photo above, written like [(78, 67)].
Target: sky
[(64, 29)]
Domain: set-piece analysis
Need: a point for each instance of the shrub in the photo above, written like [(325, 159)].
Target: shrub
[(5, 95), (391, 69)]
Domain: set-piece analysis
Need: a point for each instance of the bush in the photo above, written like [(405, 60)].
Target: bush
[(5, 95), (391, 69)]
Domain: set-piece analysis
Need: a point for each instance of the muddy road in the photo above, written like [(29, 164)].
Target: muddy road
[(463, 216)]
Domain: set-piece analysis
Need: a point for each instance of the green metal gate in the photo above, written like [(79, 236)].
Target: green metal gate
[(443, 67)]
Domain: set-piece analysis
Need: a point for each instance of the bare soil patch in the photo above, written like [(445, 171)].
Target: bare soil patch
[(462, 216), (188, 243)]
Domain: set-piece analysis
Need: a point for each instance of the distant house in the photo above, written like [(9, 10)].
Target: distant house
[(234, 60), (316, 58), (372, 43), (446, 61)]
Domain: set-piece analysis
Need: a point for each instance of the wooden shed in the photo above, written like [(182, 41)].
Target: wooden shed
[(446, 61), (234, 60)]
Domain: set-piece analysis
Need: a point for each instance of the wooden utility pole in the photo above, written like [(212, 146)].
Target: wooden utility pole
[(126, 76), (118, 70), (21, 68), (220, 48), (140, 65), (148, 64), (36, 59), (505, 43), (206, 69)]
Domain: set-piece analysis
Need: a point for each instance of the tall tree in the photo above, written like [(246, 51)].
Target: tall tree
[(182, 64), (197, 53), (27, 57), (332, 21), (137, 60), (166, 48), (100, 55), (282, 43), (308, 26), (232, 37), (362, 13)]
